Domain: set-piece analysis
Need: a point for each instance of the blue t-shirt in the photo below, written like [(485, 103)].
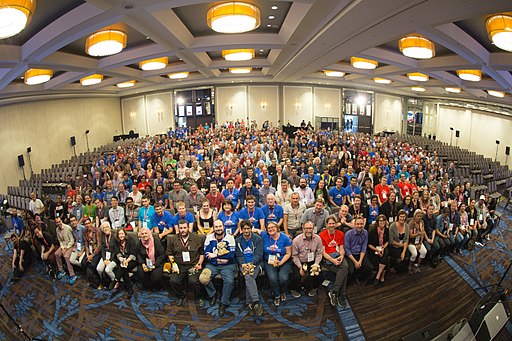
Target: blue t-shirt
[(373, 213), (275, 247), (232, 195), (146, 216), (312, 180), (254, 217), (189, 217), (248, 249), (17, 224), (274, 214), (351, 192), (162, 222), (162, 200), (337, 195), (230, 223)]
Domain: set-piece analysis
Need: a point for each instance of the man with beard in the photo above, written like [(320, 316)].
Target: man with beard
[(305, 193), (186, 250), (249, 252), (219, 249)]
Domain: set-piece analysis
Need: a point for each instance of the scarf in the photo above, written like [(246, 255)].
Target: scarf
[(381, 236), (149, 244)]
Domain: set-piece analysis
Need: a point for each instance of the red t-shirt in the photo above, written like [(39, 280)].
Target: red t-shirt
[(330, 242), (382, 192), (405, 188), (215, 202)]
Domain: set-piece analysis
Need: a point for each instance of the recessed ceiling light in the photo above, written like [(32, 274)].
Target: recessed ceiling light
[(233, 17), (417, 76), (470, 75), (268, 25), (274, 7), (271, 17), (453, 90), (417, 46), (381, 80), (495, 93), (418, 88), (261, 50), (332, 73)]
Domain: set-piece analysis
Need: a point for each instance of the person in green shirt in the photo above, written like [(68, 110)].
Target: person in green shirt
[(89, 208)]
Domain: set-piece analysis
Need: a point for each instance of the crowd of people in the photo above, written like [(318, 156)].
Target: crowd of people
[(176, 211)]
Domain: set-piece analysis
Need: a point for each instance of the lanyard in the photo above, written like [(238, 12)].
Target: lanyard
[(185, 245), (107, 241)]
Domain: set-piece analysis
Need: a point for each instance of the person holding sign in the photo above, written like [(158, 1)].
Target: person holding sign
[(186, 250), (151, 257), (307, 252), (277, 250)]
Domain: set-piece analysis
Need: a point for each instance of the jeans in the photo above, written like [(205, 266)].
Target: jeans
[(278, 277), (341, 271), (228, 281), (251, 288)]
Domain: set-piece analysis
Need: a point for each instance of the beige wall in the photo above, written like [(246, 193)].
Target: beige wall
[(388, 113), (264, 103), (327, 102), (231, 104), (297, 104), (47, 126), (149, 114)]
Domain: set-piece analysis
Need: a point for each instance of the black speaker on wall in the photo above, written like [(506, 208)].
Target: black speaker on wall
[(507, 150), (21, 161), (73, 141), (457, 133)]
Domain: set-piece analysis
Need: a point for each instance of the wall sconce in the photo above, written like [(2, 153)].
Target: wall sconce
[(230, 106), (297, 105), (263, 105), (328, 106), (132, 114), (160, 115)]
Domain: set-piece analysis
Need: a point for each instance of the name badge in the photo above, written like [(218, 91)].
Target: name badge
[(369, 201), (480, 217), (417, 240), (78, 246), (90, 248), (107, 255), (472, 221), (228, 231), (390, 219), (446, 204), (195, 209), (149, 263), (311, 256), (304, 201), (272, 259), (384, 195), (186, 256), (450, 226), (206, 225), (117, 224), (144, 224)]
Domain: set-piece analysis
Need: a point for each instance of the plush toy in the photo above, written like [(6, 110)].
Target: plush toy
[(167, 267), (248, 269), (315, 270), (222, 249), (174, 268)]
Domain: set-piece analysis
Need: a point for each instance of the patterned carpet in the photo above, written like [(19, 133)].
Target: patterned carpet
[(52, 310)]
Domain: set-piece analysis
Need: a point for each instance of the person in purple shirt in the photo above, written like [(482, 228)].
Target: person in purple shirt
[(356, 242)]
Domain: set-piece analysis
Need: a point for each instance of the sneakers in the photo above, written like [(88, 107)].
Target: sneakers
[(312, 292), (180, 301), (222, 310), (72, 280), (283, 297), (251, 309), (213, 300), (488, 237), (479, 244), (258, 309), (277, 301), (295, 293), (200, 303), (332, 298), (342, 302), (61, 274)]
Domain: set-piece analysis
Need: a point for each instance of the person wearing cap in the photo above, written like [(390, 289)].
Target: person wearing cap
[(416, 237)]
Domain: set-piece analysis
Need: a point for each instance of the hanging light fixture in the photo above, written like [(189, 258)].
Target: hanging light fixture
[(418, 89), (14, 16), (495, 93), (37, 76), (470, 75), (238, 55), (233, 17), (154, 64), (126, 84), (178, 75), (499, 29), (332, 73), (91, 80), (240, 70), (417, 76), (105, 43), (453, 90), (381, 80), (417, 46), (363, 63)]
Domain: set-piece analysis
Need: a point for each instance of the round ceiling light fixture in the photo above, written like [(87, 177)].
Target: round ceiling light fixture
[(178, 75), (363, 63), (470, 75), (154, 64), (238, 55), (14, 16), (233, 17), (381, 80), (240, 70), (499, 30), (495, 93), (127, 84), (333, 73), (417, 46), (91, 80), (453, 90), (417, 76), (105, 43), (37, 76)]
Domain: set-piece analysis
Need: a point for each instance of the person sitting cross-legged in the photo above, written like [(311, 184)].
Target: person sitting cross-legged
[(356, 242), (219, 249)]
